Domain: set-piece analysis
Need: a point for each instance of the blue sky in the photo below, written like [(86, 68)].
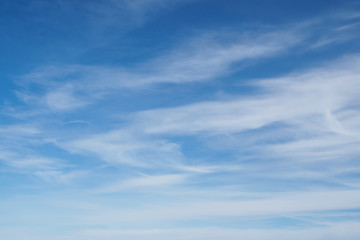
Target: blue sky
[(182, 119)]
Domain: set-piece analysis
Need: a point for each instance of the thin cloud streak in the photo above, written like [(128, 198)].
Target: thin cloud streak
[(190, 63), (199, 58), (145, 182), (132, 163), (314, 107), (276, 205), (324, 128), (123, 147), (318, 92), (333, 231)]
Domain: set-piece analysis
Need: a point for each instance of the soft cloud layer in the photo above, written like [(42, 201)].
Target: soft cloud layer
[(122, 147), (209, 55), (190, 63), (322, 93), (165, 125), (332, 232)]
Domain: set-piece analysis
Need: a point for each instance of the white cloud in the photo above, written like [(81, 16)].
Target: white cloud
[(58, 175), (63, 99), (19, 154), (272, 206), (212, 56), (123, 147), (200, 59), (314, 109), (301, 126), (145, 182), (332, 231), (18, 130), (204, 57), (319, 92), (335, 231), (32, 162)]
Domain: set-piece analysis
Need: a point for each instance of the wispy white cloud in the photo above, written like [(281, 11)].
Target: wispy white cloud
[(63, 99), (60, 175), (331, 232), (18, 154), (144, 182), (314, 110), (123, 147), (32, 162), (271, 206), (78, 209), (323, 92), (210, 55), (303, 117), (287, 148), (45, 168), (192, 62)]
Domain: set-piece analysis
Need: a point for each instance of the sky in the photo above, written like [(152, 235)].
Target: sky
[(181, 119)]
